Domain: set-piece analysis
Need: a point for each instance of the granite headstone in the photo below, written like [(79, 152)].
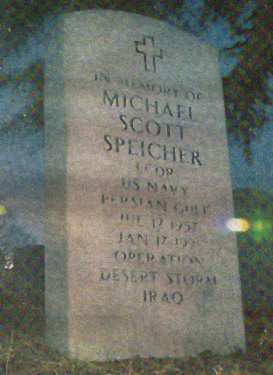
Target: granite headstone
[(139, 261)]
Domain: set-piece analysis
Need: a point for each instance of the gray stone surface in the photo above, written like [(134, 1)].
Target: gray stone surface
[(138, 258)]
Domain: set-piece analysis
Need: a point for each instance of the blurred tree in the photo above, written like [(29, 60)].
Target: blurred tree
[(246, 88)]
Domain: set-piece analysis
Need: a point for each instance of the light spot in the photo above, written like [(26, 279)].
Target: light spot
[(9, 265), (262, 229), (3, 210), (238, 225), (258, 225)]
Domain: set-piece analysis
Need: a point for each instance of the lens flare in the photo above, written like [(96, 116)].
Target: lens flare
[(238, 225), (262, 229), (258, 226), (3, 210)]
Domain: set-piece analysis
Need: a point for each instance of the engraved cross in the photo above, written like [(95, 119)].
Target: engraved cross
[(150, 53)]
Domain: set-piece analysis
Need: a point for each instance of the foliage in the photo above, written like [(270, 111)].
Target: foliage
[(255, 247), (256, 262), (247, 87)]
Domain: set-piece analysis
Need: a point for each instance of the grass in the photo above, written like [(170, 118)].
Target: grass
[(24, 352)]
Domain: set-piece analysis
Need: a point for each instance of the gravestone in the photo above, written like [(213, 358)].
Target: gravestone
[(138, 258)]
